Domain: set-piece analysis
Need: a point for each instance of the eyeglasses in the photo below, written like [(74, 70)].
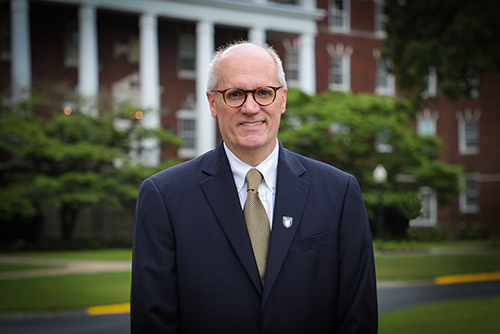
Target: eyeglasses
[(263, 96)]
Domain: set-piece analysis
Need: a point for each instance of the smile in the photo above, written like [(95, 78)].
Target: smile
[(253, 124)]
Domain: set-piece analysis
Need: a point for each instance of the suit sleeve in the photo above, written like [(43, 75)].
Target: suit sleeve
[(357, 308), (154, 300)]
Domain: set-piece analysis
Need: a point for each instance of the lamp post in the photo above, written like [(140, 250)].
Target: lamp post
[(380, 176)]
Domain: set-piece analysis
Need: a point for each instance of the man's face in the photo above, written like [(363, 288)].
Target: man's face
[(249, 131)]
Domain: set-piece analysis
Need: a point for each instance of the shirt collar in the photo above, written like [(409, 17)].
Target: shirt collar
[(268, 168)]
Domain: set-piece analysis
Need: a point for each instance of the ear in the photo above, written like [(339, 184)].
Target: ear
[(283, 101), (211, 102)]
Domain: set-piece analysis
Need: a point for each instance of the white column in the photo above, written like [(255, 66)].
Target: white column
[(150, 86), (307, 63), (21, 51), (257, 35), (88, 65), (206, 130), (308, 4)]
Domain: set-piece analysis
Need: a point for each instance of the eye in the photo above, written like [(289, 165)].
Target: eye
[(234, 94), (264, 92)]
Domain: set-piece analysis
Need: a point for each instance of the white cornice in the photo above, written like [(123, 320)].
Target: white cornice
[(271, 16)]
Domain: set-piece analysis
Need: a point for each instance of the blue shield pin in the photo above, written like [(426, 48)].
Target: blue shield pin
[(287, 221)]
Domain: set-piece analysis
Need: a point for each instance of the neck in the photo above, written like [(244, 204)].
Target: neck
[(254, 157)]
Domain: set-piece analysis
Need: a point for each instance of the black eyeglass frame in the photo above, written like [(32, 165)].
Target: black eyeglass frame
[(253, 91)]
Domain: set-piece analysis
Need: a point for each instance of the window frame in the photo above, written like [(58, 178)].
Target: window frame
[(388, 89), (344, 13), (187, 135), (339, 52), (466, 206), (186, 54), (468, 120), (380, 18)]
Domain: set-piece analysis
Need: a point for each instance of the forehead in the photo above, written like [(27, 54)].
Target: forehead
[(247, 67)]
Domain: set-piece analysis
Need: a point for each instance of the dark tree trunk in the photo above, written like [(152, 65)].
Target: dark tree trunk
[(68, 221)]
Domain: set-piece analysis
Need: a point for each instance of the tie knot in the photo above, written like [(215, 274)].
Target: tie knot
[(253, 178)]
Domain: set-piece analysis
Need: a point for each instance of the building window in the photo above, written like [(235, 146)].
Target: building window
[(431, 88), (71, 38), (186, 128), (340, 15), (340, 67), (427, 122), (187, 56), (292, 62), (468, 131), (469, 199), (428, 212), (386, 82), (380, 18)]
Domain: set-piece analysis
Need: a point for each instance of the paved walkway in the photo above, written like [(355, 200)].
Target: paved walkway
[(61, 266)]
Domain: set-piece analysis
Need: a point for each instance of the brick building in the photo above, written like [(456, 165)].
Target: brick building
[(155, 53)]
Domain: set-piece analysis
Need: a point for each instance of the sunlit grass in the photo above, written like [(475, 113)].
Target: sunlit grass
[(64, 292), (425, 266), (458, 317)]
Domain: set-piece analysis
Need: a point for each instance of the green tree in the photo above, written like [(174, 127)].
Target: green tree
[(357, 132), (458, 39), (71, 161)]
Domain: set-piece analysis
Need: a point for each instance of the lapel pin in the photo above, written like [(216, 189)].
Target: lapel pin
[(287, 221)]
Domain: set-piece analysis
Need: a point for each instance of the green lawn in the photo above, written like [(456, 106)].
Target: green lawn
[(79, 291), (460, 317), (422, 266), (64, 292)]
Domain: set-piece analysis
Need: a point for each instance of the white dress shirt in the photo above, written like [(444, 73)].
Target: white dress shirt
[(267, 188)]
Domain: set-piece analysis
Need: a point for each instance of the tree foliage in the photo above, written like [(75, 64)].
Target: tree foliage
[(70, 162), (357, 132), (457, 39)]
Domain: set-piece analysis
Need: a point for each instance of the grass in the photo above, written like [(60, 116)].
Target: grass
[(64, 292), (459, 317), (79, 291), (424, 266)]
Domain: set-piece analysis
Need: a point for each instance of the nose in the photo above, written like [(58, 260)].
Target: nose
[(250, 106)]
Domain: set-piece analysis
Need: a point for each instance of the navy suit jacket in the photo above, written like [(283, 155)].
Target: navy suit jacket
[(194, 271)]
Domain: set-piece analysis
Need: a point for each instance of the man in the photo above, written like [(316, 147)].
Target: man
[(201, 265)]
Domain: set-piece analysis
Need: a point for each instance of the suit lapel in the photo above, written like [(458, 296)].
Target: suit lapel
[(291, 196), (220, 192)]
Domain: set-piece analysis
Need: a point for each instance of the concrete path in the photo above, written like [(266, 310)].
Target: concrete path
[(62, 266)]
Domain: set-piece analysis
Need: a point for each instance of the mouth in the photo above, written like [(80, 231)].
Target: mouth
[(253, 124)]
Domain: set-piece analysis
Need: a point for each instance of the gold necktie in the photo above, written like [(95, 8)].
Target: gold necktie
[(257, 221)]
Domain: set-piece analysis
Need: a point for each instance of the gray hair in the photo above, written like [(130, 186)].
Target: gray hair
[(212, 67)]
